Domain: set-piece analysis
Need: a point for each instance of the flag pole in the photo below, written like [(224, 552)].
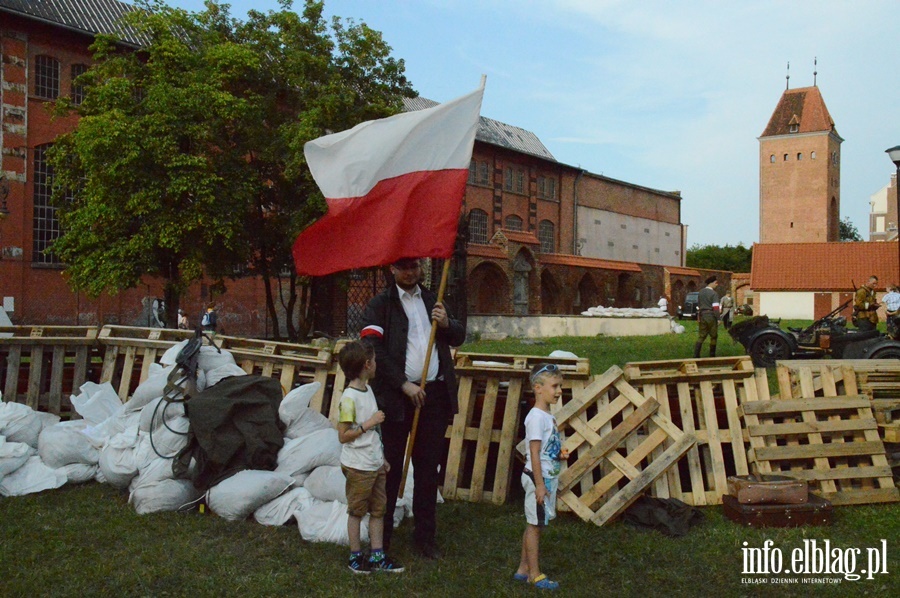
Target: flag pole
[(415, 423)]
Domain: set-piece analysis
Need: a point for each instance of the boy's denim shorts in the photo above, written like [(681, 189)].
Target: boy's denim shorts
[(535, 514)]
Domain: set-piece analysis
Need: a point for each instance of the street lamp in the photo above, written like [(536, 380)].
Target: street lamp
[(894, 154)]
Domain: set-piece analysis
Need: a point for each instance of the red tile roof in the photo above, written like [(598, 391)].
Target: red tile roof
[(561, 259), (525, 238), (822, 266), (803, 106), (682, 271), (486, 251)]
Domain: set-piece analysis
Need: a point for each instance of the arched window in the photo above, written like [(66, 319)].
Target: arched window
[(547, 237), (513, 222), (77, 90), (45, 223), (772, 158), (46, 77), (478, 227)]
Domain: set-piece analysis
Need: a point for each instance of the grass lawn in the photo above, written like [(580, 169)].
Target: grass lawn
[(87, 541)]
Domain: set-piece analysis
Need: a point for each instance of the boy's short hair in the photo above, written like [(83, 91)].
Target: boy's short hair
[(542, 370), (353, 358)]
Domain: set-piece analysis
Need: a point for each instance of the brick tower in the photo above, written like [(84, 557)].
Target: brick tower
[(800, 171)]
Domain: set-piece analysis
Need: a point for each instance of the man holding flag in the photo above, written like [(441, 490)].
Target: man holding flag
[(397, 323), (394, 189)]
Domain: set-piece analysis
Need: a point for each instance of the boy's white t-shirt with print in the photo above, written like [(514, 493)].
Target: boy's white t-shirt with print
[(366, 452), (540, 425)]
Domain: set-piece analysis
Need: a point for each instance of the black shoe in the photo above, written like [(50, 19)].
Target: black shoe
[(428, 550), (359, 564), (385, 565)]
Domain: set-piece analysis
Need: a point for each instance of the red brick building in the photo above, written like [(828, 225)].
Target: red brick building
[(544, 237)]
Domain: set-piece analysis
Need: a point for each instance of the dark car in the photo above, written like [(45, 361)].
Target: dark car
[(689, 308)]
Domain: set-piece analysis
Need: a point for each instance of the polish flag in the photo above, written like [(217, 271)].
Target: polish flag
[(394, 188)]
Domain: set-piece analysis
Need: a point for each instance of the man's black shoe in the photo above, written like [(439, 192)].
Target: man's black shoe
[(429, 551)]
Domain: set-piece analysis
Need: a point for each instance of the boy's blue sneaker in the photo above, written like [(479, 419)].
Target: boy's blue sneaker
[(541, 582), (385, 565), (358, 564)]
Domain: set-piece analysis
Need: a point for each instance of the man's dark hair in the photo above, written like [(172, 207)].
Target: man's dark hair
[(353, 357), (711, 279)]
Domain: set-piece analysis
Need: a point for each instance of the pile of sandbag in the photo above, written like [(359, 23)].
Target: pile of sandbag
[(131, 446), (625, 312)]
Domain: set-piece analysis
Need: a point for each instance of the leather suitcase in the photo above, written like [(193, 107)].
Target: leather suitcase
[(816, 511), (767, 489)]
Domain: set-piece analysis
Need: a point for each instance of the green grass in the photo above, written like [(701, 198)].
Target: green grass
[(87, 541)]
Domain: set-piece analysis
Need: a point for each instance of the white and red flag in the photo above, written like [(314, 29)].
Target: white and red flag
[(394, 188)]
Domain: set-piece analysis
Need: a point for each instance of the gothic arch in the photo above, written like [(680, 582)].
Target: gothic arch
[(588, 292), (551, 294), (523, 276), (489, 290)]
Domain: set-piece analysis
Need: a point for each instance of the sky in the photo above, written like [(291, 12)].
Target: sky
[(667, 95)]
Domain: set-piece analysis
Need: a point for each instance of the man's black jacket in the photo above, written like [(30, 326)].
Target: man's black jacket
[(386, 311)]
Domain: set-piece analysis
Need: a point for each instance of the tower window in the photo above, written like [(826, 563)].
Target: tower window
[(772, 158), (785, 157), (812, 155), (799, 156), (795, 128)]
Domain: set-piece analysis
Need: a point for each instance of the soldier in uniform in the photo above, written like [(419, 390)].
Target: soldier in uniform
[(708, 316), (865, 308), (727, 309)]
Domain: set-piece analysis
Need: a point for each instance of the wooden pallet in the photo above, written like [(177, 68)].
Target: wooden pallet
[(832, 442), (890, 432), (481, 363), (701, 397), (617, 440), (42, 366), (129, 351)]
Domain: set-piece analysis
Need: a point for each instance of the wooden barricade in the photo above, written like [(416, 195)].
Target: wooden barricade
[(837, 448), (41, 366), (616, 440), (129, 351), (700, 396), (482, 436)]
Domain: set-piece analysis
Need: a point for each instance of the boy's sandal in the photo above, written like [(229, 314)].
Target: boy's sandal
[(520, 577), (541, 582)]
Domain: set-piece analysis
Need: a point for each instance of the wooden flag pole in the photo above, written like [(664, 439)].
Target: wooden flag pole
[(424, 379)]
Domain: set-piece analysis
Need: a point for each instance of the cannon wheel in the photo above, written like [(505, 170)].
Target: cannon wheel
[(889, 353), (768, 349)]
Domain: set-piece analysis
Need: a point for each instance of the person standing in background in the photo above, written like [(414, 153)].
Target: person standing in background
[(708, 316)]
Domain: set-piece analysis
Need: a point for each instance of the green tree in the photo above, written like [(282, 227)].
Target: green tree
[(848, 230), (187, 159), (735, 258)]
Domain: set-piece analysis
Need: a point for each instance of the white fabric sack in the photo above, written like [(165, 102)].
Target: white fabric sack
[(20, 423), (327, 522), (151, 388), (163, 496), (153, 472), (96, 402), (281, 509), (216, 375), (117, 461), (13, 455), (211, 359), (299, 478), (294, 402), (560, 353), (302, 455), (64, 444), (78, 473), (168, 440), (32, 477), (168, 358), (168, 410), (306, 423), (238, 496), (327, 483)]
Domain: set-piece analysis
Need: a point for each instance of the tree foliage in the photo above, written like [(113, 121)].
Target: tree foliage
[(187, 160), (735, 258), (848, 230)]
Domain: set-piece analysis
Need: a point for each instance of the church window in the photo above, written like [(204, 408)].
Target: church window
[(799, 156), (812, 155), (795, 127), (46, 77), (478, 227), (547, 236), (785, 157), (513, 222), (772, 158)]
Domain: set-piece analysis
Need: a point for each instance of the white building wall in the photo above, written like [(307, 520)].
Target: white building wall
[(790, 306), (611, 236), (878, 208)]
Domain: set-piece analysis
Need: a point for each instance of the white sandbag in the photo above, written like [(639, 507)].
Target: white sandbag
[(96, 402), (151, 388), (166, 409), (327, 522), (168, 358), (64, 444), (32, 477), (566, 354), (48, 419), (168, 440), (152, 472), (404, 504), (306, 423), (299, 478), (117, 459), (302, 455), (281, 509), (294, 402), (20, 423), (216, 375), (211, 359), (327, 483), (13, 455), (78, 473), (163, 496), (238, 496)]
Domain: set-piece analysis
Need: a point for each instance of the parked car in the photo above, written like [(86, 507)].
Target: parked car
[(766, 342), (689, 309)]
